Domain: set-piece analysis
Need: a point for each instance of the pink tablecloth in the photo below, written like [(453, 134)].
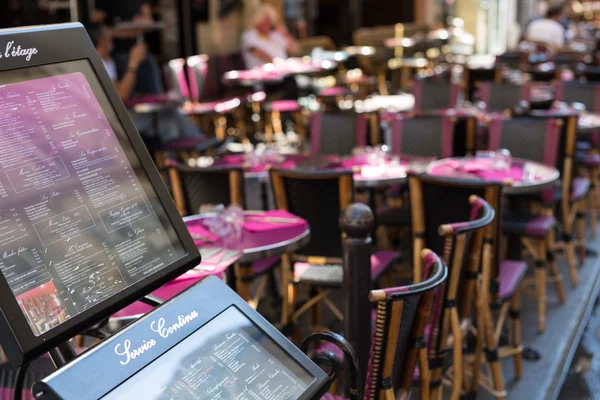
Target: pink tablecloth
[(152, 99), (257, 223), (170, 289), (286, 162), (481, 168)]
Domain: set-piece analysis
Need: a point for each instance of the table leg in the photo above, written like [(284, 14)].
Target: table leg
[(156, 125), (264, 188)]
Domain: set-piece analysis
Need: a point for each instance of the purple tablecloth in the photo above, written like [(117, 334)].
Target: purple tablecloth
[(257, 233), (367, 171), (483, 169)]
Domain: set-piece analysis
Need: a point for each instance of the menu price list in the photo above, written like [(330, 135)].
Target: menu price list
[(228, 358), (75, 225)]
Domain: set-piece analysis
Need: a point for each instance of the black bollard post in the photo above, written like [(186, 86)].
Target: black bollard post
[(357, 222)]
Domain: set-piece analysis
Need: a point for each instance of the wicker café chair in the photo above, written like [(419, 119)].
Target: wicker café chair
[(502, 97), (337, 132), (470, 251), (214, 111), (472, 77), (589, 95), (432, 95), (398, 335), (208, 93), (430, 135), (319, 197), (585, 93), (542, 140), (424, 136), (194, 187)]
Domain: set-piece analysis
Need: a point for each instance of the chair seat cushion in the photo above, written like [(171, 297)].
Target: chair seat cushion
[(331, 396), (579, 190), (283, 106), (581, 145), (588, 160), (536, 226), (191, 143), (211, 107), (331, 275), (393, 216), (511, 274), (581, 186), (256, 97), (335, 91)]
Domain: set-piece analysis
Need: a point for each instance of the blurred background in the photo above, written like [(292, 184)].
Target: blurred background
[(214, 27)]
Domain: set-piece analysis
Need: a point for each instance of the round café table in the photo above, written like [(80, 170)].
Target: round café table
[(522, 177), (365, 175), (588, 123), (252, 77), (264, 235), (277, 71), (393, 103)]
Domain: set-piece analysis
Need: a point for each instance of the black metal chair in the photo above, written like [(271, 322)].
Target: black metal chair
[(319, 197)]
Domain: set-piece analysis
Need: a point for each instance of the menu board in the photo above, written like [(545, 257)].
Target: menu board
[(227, 358), (78, 222)]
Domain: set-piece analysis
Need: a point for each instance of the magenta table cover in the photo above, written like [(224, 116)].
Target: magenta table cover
[(169, 290), (250, 240), (254, 223), (481, 168), (322, 161), (255, 234)]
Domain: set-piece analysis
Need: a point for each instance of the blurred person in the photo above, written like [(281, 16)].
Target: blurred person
[(547, 30), (113, 12), (266, 39), (172, 124), (294, 17)]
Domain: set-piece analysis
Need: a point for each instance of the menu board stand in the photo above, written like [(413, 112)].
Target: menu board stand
[(191, 347), (87, 226), (62, 354)]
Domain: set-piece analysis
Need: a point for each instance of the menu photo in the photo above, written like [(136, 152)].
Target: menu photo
[(43, 308)]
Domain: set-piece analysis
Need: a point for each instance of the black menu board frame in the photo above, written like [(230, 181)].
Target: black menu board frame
[(55, 44), (140, 346)]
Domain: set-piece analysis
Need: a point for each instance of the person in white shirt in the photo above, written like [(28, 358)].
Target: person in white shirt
[(547, 30), (266, 39)]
